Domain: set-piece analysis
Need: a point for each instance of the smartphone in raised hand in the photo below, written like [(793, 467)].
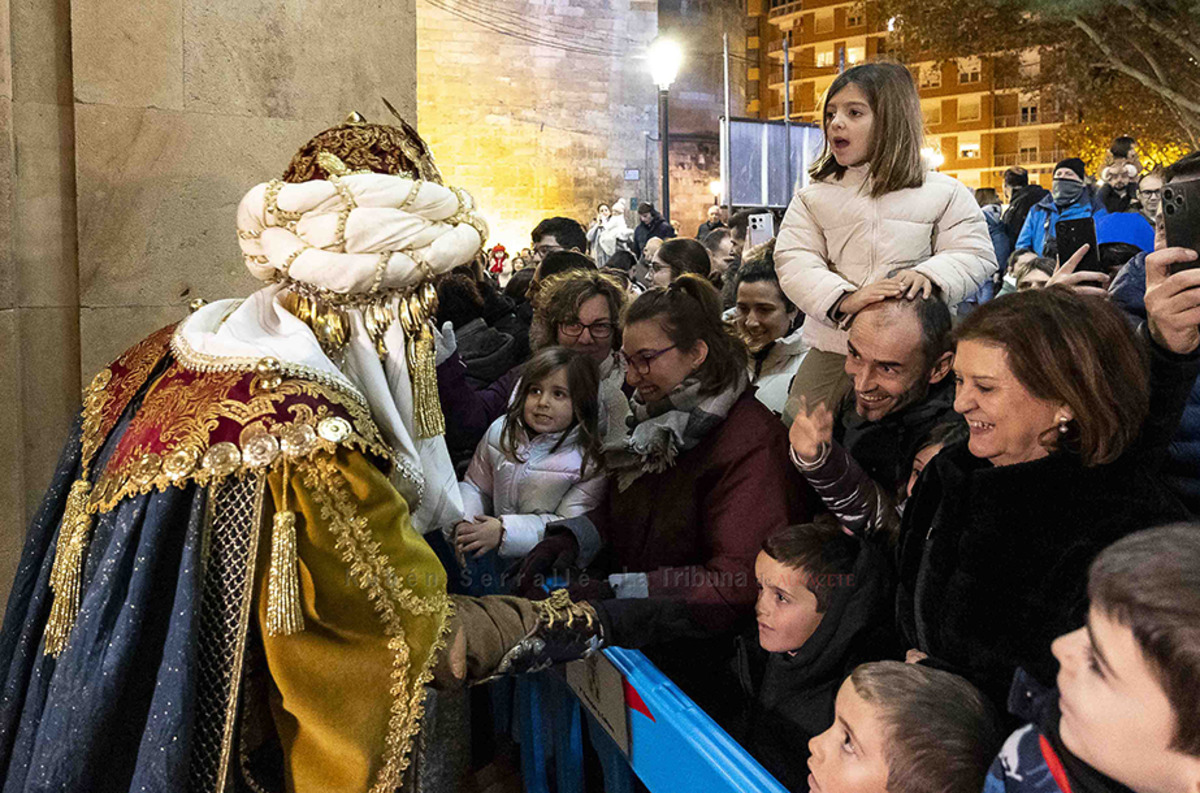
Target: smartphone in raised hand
[(1181, 217), (1073, 235)]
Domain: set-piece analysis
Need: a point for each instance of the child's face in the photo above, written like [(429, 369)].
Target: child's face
[(849, 756), (1115, 714), (786, 610), (548, 405), (919, 462), (848, 122)]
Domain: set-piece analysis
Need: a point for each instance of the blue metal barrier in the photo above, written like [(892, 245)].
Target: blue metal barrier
[(670, 737)]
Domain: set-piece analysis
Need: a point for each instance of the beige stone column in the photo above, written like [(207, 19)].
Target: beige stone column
[(129, 131)]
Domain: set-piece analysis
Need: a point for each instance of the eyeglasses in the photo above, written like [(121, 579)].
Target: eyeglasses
[(543, 250), (640, 363), (599, 330), (1150, 193)]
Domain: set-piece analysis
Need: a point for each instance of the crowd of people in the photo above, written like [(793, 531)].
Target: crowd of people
[(909, 432), (902, 497)]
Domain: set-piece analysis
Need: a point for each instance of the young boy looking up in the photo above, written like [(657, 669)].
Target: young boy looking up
[(821, 610), (1126, 714), (904, 728)]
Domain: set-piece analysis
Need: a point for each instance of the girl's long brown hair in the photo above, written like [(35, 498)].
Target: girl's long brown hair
[(583, 381), (896, 135)]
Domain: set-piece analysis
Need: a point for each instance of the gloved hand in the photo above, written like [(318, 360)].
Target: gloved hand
[(556, 552), (585, 586), (445, 343)]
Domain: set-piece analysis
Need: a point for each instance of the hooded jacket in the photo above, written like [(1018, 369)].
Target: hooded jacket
[(487, 353), (789, 699), (1023, 200), (836, 238)]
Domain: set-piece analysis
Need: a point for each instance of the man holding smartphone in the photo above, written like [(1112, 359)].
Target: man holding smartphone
[(1070, 198), (1181, 470)]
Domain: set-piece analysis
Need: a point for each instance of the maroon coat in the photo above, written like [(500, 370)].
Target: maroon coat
[(697, 527)]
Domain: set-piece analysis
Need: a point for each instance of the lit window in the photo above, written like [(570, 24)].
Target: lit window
[(825, 57), (855, 54), (969, 69), (968, 109), (931, 76), (969, 151), (932, 114), (855, 18)]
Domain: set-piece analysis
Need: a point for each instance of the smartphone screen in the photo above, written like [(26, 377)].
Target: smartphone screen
[(1073, 235)]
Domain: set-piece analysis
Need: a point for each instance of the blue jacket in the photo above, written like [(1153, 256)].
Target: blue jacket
[(1033, 759), (1046, 213), (1181, 471), (999, 234)]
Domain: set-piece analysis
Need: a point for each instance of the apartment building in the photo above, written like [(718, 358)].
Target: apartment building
[(979, 123)]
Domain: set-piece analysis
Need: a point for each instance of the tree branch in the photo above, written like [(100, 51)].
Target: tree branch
[(1158, 27), (1158, 72), (1119, 65)]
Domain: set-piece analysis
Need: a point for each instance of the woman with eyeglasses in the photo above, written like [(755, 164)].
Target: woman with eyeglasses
[(578, 309), (699, 480)]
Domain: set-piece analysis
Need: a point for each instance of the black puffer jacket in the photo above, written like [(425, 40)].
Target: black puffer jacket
[(659, 227), (993, 560)]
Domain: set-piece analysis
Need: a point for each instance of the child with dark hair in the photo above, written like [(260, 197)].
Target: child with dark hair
[(822, 607), (1124, 715), (905, 728), (538, 463)]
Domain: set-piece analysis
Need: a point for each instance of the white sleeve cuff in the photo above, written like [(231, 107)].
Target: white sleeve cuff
[(630, 585), (521, 534)]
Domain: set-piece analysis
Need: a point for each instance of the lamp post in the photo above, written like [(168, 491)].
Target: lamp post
[(665, 57)]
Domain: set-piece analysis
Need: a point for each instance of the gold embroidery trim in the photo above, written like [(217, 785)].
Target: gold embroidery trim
[(373, 573)]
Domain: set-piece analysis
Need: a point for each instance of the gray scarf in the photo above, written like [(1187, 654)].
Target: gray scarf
[(658, 432)]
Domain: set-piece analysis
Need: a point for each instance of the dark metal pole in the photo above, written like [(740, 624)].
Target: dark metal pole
[(664, 135)]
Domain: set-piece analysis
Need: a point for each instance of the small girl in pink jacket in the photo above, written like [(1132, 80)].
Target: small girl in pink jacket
[(538, 463), (875, 223)]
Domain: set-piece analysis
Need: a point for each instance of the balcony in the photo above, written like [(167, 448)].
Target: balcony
[(1042, 117), (1041, 158), (779, 8)]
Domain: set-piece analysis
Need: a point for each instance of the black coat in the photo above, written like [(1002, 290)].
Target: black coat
[(659, 227), (993, 561), (790, 698), (1024, 199)]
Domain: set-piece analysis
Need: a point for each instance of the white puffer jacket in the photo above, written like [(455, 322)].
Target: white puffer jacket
[(526, 496), (773, 377), (836, 238)]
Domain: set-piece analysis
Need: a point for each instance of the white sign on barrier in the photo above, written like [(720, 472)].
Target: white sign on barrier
[(600, 686)]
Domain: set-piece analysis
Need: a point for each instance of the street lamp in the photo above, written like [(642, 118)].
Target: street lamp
[(665, 57)]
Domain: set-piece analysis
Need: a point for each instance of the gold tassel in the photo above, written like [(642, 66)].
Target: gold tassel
[(284, 614), (427, 408), (66, 574)]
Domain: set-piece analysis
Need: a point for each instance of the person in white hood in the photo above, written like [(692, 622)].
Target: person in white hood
[(771, 326)]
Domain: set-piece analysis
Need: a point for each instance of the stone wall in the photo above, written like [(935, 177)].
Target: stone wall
[(695, 165), (129, 131), (533, 129)]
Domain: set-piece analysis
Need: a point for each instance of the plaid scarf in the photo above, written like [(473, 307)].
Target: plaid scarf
[(658, 432)]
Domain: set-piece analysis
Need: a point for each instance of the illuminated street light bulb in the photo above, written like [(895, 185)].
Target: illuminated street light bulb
[(932, 157), (715, 187), (666, 56)]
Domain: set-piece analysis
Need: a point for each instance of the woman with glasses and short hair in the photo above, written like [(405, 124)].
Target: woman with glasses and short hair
[(578, 309), (698, 480)]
